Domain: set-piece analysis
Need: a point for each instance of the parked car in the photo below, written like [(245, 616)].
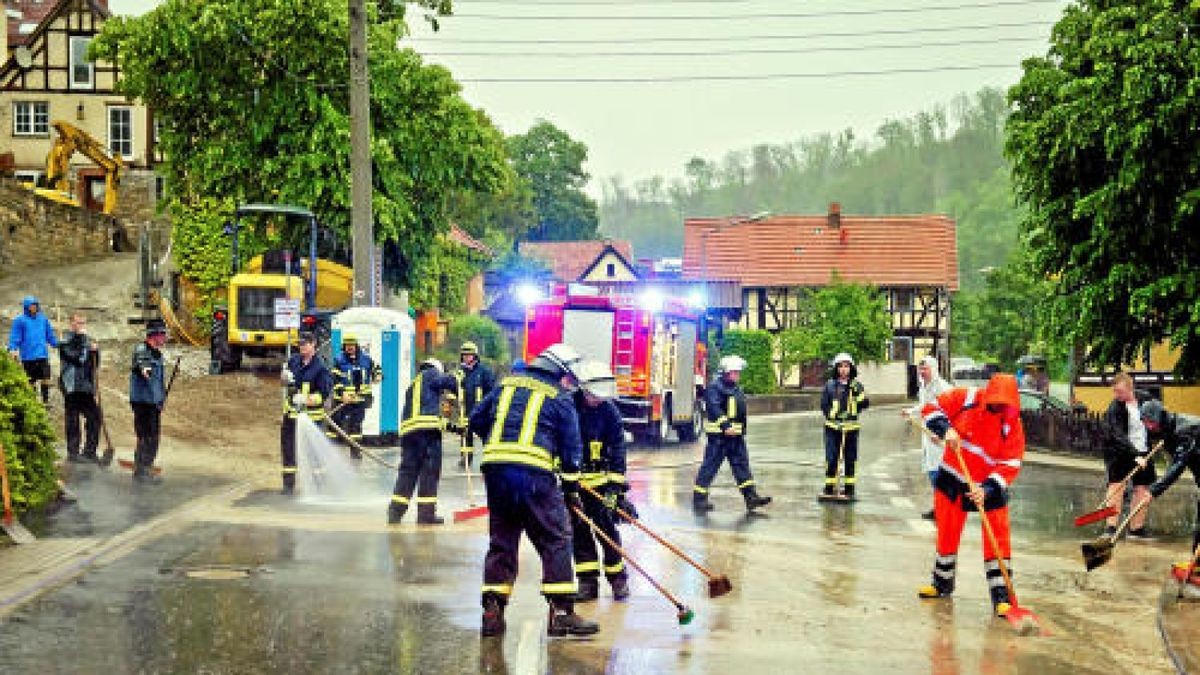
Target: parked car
[(1035, 401), (974, 375)]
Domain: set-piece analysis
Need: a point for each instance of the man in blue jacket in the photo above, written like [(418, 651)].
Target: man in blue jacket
[(27, 341)]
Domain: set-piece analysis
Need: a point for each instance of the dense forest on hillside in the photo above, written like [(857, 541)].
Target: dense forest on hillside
[(944, 160)]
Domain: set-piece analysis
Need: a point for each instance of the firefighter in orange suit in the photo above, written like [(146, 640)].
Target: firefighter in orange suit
[(986, 424)]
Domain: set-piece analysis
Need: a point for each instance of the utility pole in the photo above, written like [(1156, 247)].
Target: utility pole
[(361, 220)]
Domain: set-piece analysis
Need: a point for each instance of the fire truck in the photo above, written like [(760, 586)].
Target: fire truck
[(655, 346)]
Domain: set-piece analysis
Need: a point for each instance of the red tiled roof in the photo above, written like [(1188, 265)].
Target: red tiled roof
[(807, 250), (460, 237), (568, 260), (35, 12)]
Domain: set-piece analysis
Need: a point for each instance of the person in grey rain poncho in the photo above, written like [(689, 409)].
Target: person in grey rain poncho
[(930, 386)]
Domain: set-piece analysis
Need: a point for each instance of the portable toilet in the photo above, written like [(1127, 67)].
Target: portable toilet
[(388, 336)]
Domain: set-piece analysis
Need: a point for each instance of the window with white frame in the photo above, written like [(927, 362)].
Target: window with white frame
[(31, 118), (31, 177), (82, 70), (120, 131)]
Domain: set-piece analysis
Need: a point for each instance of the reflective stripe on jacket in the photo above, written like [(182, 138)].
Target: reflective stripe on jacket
[(311, 379), (529, 420), (603, 436), (423, 402), (725, 407), (841, 402)]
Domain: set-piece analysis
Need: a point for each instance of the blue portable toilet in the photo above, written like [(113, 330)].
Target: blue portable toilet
[(389, 337)]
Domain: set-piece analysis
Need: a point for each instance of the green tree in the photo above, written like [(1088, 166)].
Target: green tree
[(848, 317), (253, 105), (795, 347), (1103, 141), (485, 333), (552, 163), (1001, 321), (27, 438)]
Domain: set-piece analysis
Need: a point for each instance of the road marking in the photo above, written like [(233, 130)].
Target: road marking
[(922, 526), (889, 486), (903, 502), (530, 648)]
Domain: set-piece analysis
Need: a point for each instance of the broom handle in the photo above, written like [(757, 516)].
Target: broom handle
[(356, 445), (671, 547), (1129, 518), (1129, 477), (600, 533), (987, 526)]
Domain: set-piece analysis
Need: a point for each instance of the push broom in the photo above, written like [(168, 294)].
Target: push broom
[(1106, 510), (718, 584), (474, 510), (684, 613)]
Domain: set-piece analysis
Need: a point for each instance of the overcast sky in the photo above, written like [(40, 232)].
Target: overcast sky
[(642, 128)]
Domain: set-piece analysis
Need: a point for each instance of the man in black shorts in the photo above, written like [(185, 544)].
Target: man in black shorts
[(1127, 443), (27, 341)]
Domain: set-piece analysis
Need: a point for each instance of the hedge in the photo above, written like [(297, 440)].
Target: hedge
[(28, 440), (757, 347)]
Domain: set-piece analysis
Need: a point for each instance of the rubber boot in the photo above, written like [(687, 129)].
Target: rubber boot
[(143, 475), (828, 491), (1001, 603), (396, 512), (426, 515), (941, 585), (289, 485), (620, 587), (90, 457), (700, 503), (848, 491), (564, 621), (493, 615), (45, 394), (753, 499), (589, 589)]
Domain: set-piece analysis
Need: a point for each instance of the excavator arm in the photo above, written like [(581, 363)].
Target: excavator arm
[(72, 139)]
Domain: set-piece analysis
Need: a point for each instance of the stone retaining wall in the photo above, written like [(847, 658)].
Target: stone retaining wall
[(37, 232)]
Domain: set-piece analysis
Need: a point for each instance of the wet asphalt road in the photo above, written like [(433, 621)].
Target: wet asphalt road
[(268, 585)]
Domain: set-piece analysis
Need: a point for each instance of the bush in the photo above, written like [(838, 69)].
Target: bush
[(487, 334), (28, 440), (757, 347)]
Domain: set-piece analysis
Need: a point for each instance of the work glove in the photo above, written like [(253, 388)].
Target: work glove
[(299, 400), (629, 509), (610, 499), (287, 376)]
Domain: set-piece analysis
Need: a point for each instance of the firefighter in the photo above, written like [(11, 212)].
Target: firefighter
[(308, 386), (421, 444), (986, 424), (475, 380), (1183, 443), (841, 401), (725, 406), (353, 374), (529, 423), (603, 470)]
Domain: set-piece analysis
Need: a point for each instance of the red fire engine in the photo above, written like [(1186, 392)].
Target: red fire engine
[(654, 345)]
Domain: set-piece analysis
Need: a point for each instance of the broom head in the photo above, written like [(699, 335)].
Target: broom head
[(1096, 516)]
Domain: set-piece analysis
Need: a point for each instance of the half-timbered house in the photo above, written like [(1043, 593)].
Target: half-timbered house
[(46, 75), (913, 260)]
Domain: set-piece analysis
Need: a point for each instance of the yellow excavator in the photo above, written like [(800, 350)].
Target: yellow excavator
[(70, 140)]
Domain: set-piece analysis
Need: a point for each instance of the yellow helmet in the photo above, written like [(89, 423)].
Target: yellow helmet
[(468, 348), (349, 339)]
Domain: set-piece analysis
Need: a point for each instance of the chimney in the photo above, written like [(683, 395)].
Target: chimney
[(835, 215)]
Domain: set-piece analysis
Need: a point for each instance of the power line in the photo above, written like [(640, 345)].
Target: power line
[(753, 15), (734, 52), (731, 78), (738, 38)]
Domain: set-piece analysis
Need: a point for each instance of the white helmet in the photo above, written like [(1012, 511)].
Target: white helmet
[(731, 363), (597, 379), (432, 363), (842, 357), (557, 360)]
